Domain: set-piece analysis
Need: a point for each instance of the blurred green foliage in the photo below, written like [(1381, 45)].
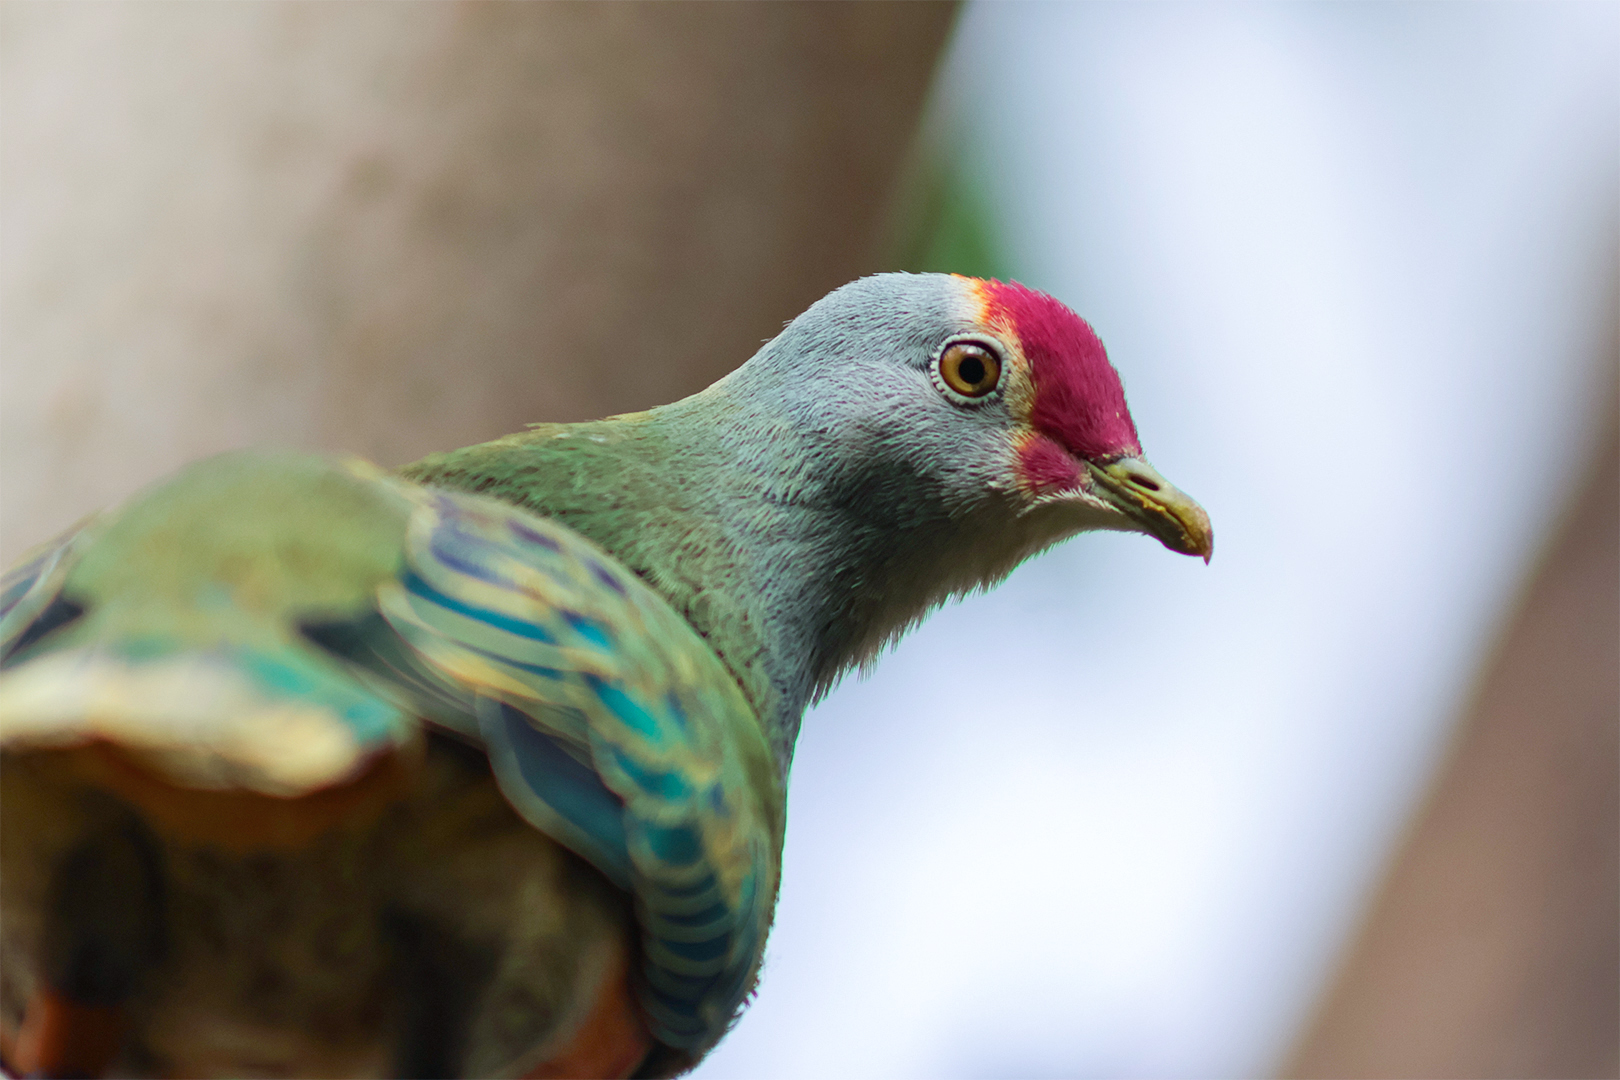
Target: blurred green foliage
[(945, 224)]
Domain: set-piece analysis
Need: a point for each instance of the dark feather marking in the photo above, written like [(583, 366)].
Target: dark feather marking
[(58, 614), (421, 588), (104, 923)]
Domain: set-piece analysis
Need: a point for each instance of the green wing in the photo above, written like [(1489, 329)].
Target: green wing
[(171, 626), (612, 727)]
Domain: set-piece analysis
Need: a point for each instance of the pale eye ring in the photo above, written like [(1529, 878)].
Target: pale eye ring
[(968, 371)]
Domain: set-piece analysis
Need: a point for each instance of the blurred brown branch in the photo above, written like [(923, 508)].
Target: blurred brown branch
[(1494, 947)]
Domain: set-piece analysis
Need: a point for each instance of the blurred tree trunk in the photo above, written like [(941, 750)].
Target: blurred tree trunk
[(1494, 948), (397, 228)]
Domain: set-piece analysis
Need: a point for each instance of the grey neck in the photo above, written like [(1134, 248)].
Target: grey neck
[(826, 549)]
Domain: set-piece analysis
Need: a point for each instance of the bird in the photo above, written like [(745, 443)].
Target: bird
[(478, 767)]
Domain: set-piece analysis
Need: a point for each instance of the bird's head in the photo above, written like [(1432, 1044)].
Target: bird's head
[(981, 398)]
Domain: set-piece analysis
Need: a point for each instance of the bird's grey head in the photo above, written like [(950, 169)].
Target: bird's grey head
[(936, 398)]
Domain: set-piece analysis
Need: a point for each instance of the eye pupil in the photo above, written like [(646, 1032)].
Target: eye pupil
[(971, 370)]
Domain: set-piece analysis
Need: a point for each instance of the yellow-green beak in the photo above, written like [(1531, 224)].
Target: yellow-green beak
[(1162, 510)]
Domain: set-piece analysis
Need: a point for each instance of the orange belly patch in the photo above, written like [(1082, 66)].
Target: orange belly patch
[(612, 1039)]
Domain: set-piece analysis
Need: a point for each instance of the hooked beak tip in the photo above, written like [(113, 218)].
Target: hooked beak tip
[(1160, 508)]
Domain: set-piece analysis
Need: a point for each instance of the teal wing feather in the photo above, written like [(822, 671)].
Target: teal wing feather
[(615, 729), (31, 590)]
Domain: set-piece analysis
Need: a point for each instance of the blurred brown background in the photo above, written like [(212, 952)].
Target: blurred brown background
[(390, 229)]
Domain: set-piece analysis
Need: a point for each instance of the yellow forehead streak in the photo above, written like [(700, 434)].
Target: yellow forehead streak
[(1018, 387)]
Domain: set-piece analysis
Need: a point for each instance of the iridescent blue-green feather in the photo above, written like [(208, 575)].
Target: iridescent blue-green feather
[(613, 727)]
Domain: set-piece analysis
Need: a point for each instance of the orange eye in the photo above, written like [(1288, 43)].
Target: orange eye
[(970, 369)]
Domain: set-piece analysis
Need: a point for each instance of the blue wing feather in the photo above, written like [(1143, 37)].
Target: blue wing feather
[(576, 807)]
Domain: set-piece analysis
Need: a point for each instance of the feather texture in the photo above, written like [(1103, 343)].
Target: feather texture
[(609, 724), (613, 728)]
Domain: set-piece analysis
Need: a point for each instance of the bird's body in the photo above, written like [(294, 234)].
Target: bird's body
[(311, 770), (360, 952)]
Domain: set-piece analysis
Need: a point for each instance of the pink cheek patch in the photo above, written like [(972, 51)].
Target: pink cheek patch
[(1047, 467), (1078, 397)]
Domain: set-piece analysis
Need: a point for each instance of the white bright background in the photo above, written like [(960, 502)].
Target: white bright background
[(1118, 817)]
